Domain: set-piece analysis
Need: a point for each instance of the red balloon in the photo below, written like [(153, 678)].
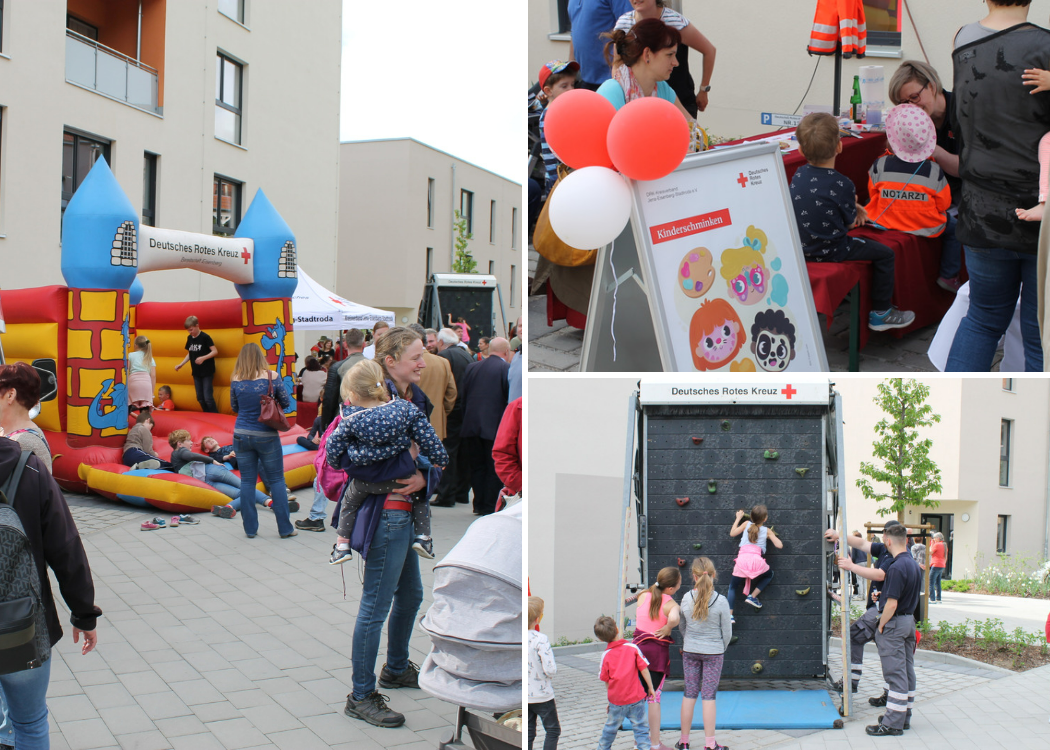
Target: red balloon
[(576, 125), (648, 138)]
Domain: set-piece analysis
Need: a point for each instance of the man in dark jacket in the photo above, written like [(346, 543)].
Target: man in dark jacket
[(53, 539), (355, 345), (484, 393), (455, 481)]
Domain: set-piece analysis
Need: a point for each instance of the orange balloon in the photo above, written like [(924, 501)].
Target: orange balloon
[(648, 138), (576, 126)]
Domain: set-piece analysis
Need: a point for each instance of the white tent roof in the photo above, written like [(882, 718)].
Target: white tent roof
[(317, 309)]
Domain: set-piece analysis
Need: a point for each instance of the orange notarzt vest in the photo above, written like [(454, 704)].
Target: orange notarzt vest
[(835, 20), (907, 200)]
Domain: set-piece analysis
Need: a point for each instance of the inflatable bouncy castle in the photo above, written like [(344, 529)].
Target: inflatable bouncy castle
[(82, 333)]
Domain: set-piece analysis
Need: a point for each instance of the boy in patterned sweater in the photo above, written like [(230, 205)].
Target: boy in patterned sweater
[(826, 209), (379, 433)]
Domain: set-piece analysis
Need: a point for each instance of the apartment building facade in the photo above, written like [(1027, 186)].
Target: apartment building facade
[(398, 198), (195, 104)]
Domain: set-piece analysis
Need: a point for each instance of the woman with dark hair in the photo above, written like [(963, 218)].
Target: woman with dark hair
[(313, 378), (645, 57), (257, 445), (19, 393), (392, 583)]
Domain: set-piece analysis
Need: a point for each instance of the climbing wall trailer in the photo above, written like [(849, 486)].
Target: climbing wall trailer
[(704, 451)]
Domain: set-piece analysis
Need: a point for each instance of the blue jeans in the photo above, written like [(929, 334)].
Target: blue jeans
[(391, 577), (736, 584), (996, 278), (638, 713), (320, 507), (262, 455), (26, 696), (205, 394), (935, 583)]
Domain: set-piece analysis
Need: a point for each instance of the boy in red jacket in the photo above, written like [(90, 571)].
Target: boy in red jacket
[(622, 663)]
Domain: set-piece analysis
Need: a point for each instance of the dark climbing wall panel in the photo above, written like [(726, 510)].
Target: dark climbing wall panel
[(686, 448)]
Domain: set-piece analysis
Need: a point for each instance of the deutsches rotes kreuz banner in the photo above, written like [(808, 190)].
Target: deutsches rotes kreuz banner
[(230, 258)]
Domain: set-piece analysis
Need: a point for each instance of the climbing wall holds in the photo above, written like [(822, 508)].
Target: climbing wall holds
[(681, 500), (734, 639), (712, 486), (756, 667), (771, 454), (681, 562), (725, 425), (803, 592), (801, 472), (697, 545), (773, 652), (697, 440)]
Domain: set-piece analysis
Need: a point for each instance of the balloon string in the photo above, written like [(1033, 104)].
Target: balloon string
[(616, 288)]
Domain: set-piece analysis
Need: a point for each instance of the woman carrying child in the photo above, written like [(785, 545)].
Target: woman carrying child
[(142, 375), (376, 434), (657, 616), (751, 569), (706, 625)]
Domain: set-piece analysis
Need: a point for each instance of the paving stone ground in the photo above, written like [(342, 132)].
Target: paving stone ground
[(958, 706), (213, 640)]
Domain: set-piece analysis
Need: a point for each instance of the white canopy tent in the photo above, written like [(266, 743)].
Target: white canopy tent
[(317, 309)]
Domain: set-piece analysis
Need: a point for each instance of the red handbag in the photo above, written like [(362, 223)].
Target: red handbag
[(270, 412)]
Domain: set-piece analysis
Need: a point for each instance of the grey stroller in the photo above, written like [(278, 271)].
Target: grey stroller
[(475, 627)]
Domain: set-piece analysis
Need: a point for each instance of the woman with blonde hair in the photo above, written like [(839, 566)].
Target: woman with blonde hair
[(258, 445), (657, 616), (917, 82), (142, 375), (707, 628)]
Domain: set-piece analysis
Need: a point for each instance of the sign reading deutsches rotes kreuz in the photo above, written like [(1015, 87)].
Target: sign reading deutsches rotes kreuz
[(744, 392), (230, 258)]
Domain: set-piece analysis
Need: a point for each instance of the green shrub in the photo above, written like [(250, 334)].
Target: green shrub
[(1015, 576), (962, 585)]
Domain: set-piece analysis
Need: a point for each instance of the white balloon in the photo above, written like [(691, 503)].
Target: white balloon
[(590, 208)]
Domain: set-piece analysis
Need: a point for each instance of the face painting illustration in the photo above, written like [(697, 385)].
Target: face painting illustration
[(745, 270), (773, 340), (696, 273), (716, 335)]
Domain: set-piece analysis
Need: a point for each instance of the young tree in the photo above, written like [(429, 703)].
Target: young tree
[(464, 261), (904, 468)]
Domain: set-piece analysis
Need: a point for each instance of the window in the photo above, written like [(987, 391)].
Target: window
[(492, 268), (1008, 384), (226, 206), (466, 209), (492, 223), (149, 189), (513, 286), (81, 27), (1004, 454), (883, 19), (79, 154), (227, 99), (514, 228), (232, 9), (430, 202), (1000, 535), (430, 262), (562, 23)]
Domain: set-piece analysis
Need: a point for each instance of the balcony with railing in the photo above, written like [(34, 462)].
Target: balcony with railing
[(97, 67)]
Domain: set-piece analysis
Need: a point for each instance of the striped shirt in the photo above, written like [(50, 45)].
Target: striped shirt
[(550, 160), (670, 17)]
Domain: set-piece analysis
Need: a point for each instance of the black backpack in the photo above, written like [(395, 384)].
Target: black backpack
[(24, 639)]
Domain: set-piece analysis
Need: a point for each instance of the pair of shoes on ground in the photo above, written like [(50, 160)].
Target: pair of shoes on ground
[(881, 730), (685, 746), (293, 504), (373, 709), (160, 523), (892, 318), (753, 602), (310, 524)]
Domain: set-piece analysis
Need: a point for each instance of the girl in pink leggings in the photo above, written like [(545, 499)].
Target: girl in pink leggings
[(706, 632), (657, 616)]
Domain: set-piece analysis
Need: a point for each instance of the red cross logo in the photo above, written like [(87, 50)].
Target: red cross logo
[(483, 283), (246, 255), (742, 180), (789, 391)]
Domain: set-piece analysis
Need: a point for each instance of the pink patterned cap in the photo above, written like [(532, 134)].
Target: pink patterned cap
[(911, 133)]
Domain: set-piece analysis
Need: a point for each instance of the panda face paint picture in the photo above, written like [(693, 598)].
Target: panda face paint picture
[(773, 340)]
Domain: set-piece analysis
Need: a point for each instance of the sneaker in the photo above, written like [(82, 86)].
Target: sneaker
[(907, 724), (174, 521), (189, 520), (293, 505), (223, 511), (293, 532), (837, 686), (879, 702), (753, 602), (309, 524), (372, 708), (151, 463), (892, 318), (681, 745), (340, 556), (881, 730), (732, 620), (409, 678), (424, 548), (149, 526), (949, 285), (159, 521)]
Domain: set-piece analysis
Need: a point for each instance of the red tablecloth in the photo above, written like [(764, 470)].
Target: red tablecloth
[(858, 154), (306, 413)]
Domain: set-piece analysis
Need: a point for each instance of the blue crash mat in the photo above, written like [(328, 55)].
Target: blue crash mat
[(756, 709)]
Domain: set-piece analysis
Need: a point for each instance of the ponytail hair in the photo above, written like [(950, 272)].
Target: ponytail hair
[(652, 34), (143, 345), (758, 517), (705, 575), (667, 578), (366, 381)]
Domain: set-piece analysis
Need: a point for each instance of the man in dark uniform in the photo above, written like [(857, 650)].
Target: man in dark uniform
[(895, 636), (455, 480)]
